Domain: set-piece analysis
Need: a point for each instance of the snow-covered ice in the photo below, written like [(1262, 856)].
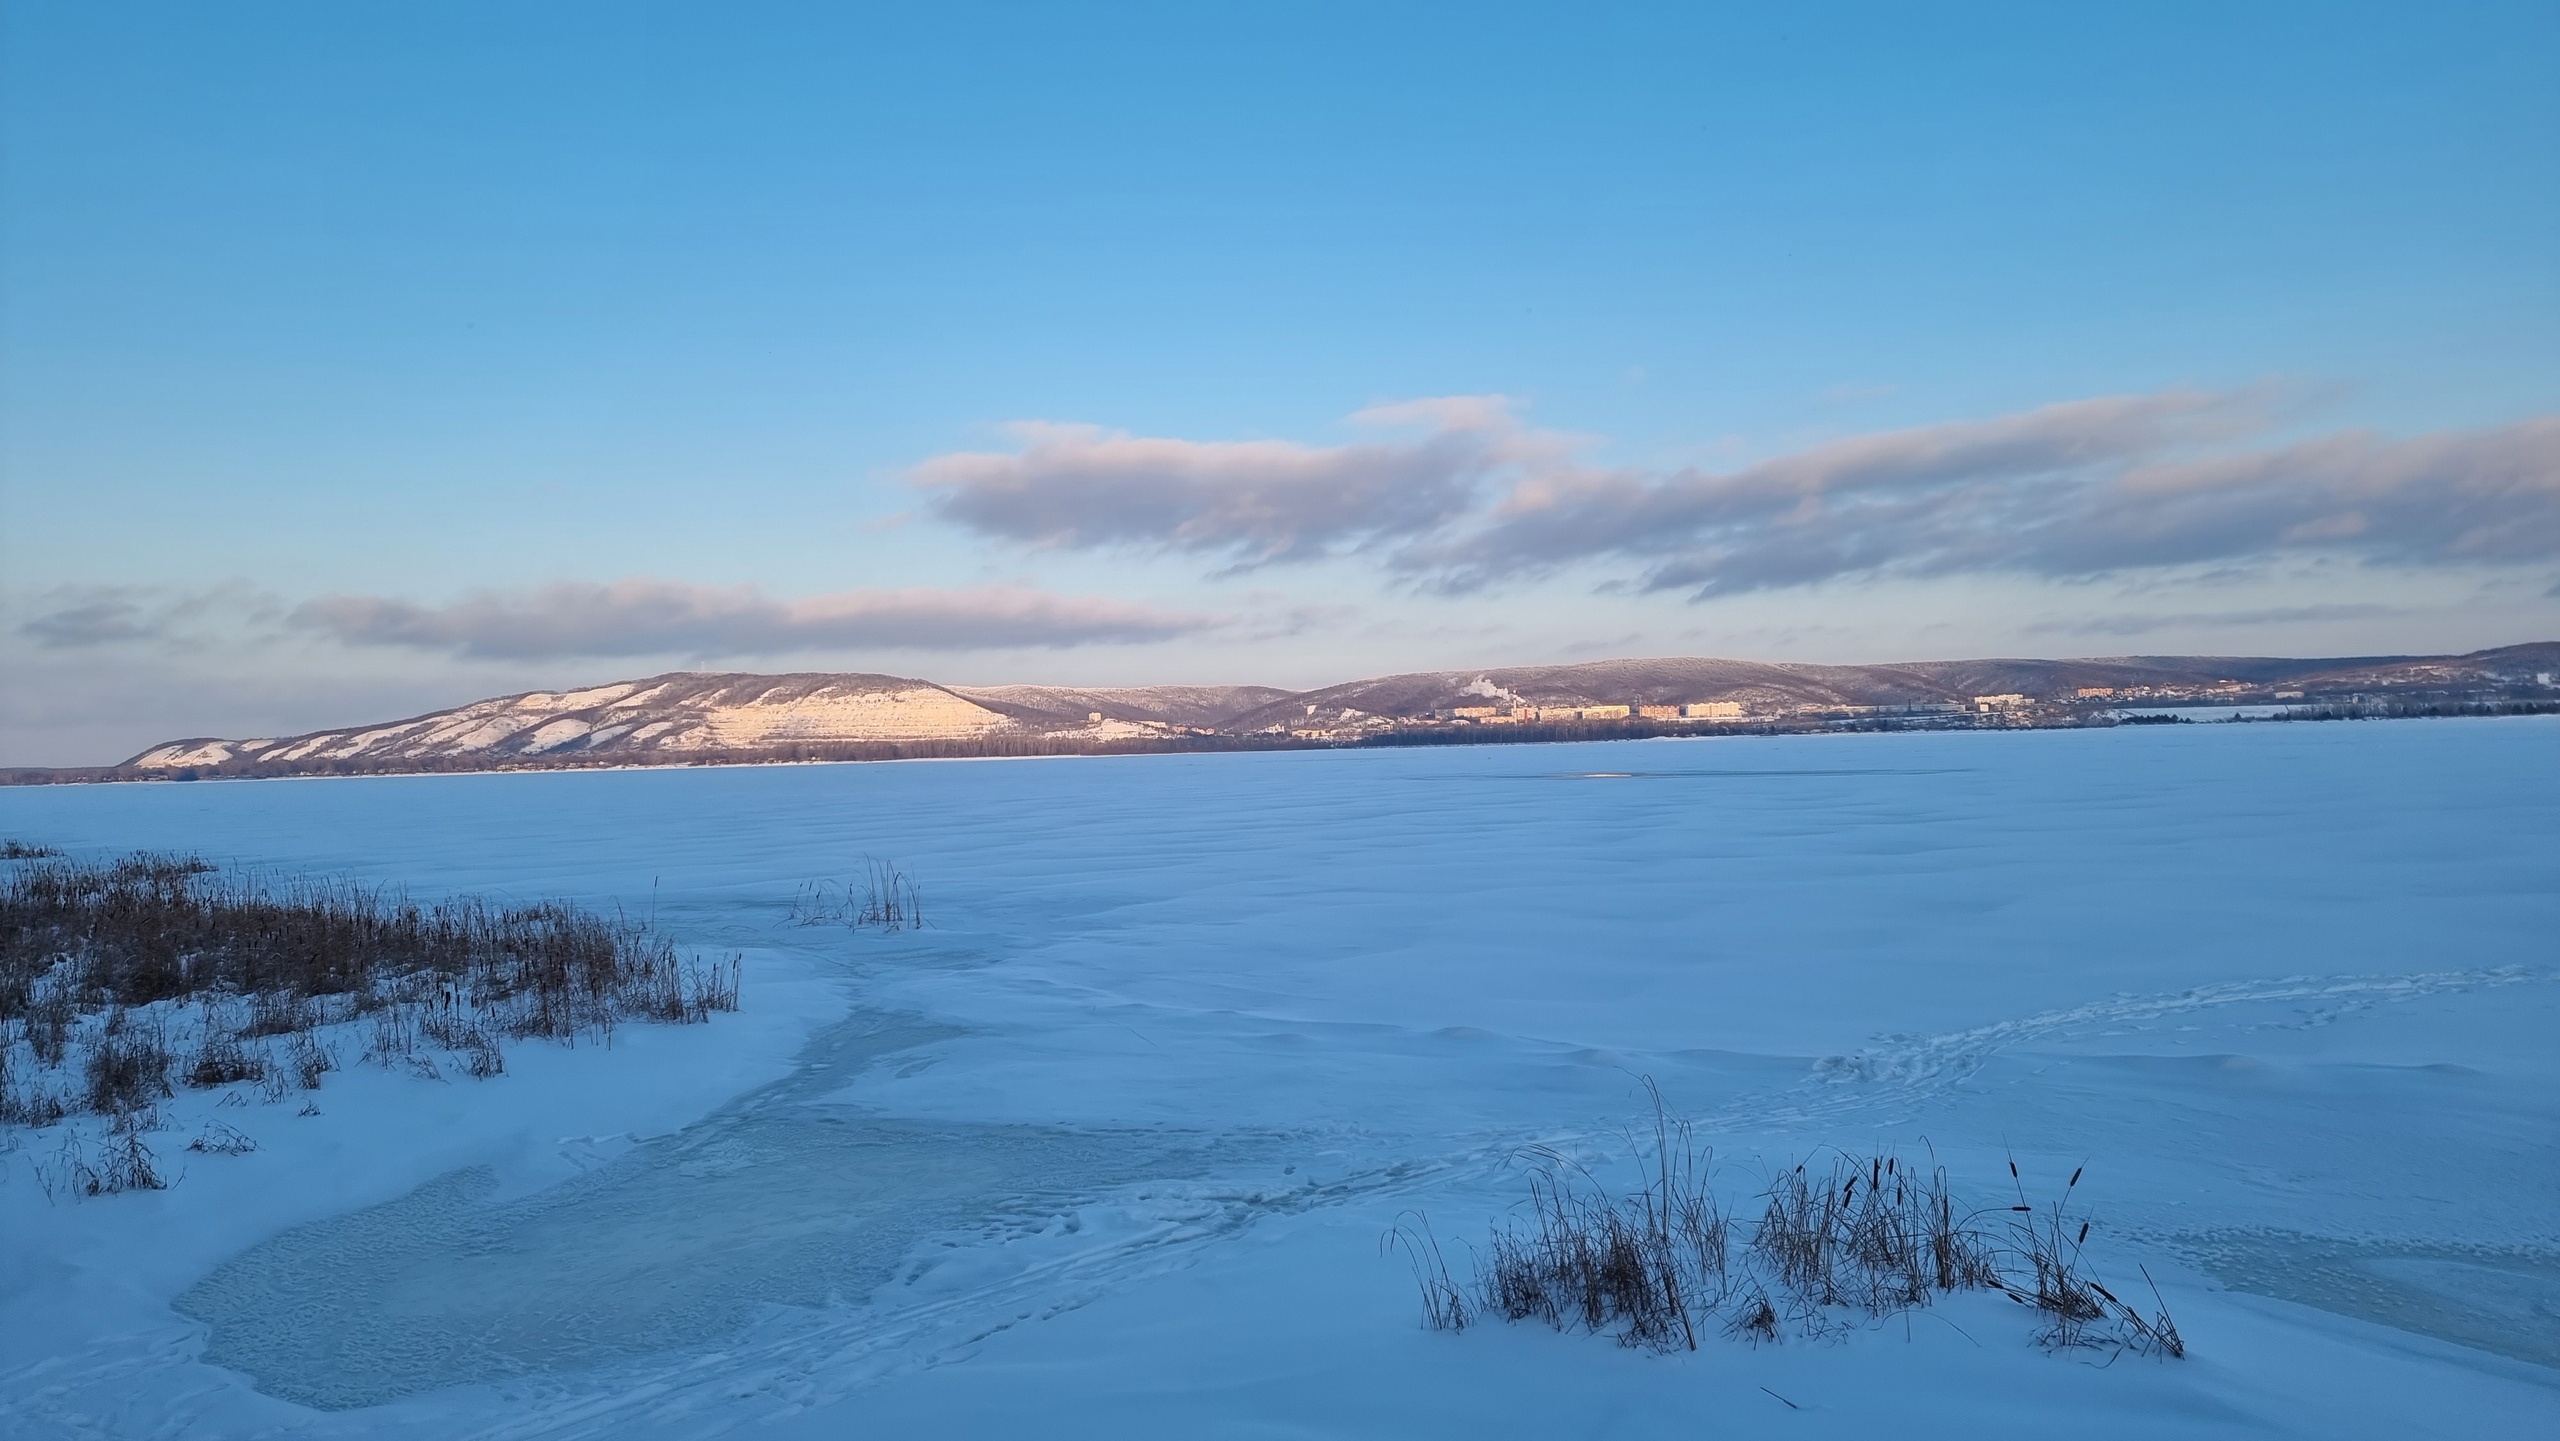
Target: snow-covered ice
[(1110, 1147)]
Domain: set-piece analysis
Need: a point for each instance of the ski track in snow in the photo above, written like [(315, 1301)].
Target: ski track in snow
[(1910, 1070)]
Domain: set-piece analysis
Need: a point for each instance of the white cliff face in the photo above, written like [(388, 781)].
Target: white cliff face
[(188, 753), (777, 716)]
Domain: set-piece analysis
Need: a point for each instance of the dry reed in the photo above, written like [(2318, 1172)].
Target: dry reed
[(99, 960), (1857, 1240)]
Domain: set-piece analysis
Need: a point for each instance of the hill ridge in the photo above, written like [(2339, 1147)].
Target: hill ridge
[(681, 717)]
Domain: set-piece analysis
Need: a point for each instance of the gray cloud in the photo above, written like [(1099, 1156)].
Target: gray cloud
[(1256, 501), (2082, 489), (93, 622), (2087, 487), (86, 616), (2139, 623), (644, 616), (1857, 504), (2486, 495)]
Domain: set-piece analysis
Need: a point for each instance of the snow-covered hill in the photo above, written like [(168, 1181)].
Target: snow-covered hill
[(675, 717), (690, 716)]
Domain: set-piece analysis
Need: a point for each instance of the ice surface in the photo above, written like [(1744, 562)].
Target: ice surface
[(1202, 1027), (2505, 1300), (678, 1242)]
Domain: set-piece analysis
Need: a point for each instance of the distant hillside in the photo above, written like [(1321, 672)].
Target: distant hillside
[(1776, 689), (689, 718), (1187, 705)]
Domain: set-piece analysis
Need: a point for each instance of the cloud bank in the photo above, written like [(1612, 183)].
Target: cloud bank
[(642, 616), (90, 622), (77, 617), (645, 616), (1256, 502), (2077, 489), (2145, 623)]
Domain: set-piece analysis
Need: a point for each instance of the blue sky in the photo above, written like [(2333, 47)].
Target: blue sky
[(360, 360)]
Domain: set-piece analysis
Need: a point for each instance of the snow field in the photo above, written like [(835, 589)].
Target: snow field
[(1190, 1033)]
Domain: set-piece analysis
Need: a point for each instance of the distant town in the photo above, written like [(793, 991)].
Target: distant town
[(2085, 705), (2008, 708)]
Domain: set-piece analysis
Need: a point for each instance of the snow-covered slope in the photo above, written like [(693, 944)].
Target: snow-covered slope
[(679, 716), (690, 716)]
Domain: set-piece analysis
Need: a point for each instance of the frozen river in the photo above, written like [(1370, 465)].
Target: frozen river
[(1109, 1147)]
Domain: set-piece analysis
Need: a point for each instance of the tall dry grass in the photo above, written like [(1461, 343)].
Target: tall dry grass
[(880, 896), (1820, 1248), (121, 980)]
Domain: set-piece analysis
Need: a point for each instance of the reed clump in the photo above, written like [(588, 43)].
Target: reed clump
[(2074, 1308), (144, 973), (880, 896), (123, 1162), (1822, 1248)]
